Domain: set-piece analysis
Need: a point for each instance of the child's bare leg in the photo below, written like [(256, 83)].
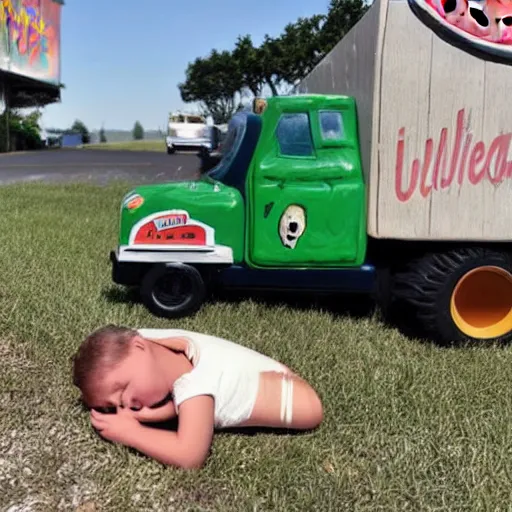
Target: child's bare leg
[(286, 401)]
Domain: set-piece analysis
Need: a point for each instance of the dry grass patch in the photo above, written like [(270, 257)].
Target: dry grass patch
[(132, 145)]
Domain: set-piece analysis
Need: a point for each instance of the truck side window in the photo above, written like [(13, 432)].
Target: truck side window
[(294, 135), (331, 125)]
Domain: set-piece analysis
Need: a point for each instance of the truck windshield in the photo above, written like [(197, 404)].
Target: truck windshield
[(237, 150)]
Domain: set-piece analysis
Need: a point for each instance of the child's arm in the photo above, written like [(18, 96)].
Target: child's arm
[(187, 448), (164, 413)]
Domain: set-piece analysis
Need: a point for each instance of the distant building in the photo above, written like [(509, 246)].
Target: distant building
[(70, 140)]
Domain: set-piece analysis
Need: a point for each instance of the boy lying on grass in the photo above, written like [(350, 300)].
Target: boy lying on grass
[(153, 375)]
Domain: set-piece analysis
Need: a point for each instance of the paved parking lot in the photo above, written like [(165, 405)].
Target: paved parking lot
[(98, 166)]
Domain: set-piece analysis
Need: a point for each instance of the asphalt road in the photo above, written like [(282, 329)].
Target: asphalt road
[(97, 166)]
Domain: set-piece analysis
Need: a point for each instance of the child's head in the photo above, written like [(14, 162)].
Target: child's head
[(116, 367)]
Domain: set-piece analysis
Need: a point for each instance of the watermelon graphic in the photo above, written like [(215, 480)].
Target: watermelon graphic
[(480, 27)]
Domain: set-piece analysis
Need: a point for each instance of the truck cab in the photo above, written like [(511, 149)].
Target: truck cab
[(285, 208), (298, 172)]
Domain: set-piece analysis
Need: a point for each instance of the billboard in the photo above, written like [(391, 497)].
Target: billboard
[(30, 38)]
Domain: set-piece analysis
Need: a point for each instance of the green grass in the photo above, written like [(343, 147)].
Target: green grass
[(408, 426), (133, 145)]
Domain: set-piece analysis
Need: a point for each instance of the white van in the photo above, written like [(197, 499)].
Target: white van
[(187, 131)]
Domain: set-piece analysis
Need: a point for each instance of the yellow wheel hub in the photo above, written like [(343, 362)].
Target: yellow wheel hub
[(481, 303)]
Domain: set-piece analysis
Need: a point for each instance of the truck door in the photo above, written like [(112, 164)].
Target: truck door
[(307, 203)]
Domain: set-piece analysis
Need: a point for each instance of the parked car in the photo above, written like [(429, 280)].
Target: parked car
[(187, 131)]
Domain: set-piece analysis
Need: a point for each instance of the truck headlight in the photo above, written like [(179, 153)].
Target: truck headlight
[(133, 201)]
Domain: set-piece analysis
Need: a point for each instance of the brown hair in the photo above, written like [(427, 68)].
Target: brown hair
[(99, 352)]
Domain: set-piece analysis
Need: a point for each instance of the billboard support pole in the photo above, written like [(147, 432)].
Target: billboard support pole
[(5, 136), (6, 99)]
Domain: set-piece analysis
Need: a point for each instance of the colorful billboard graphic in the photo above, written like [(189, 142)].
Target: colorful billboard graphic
[(30, 38), (481, 27)]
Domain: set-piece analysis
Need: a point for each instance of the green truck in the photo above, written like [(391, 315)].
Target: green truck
[(284, 209), (262, 217), (386, 173)]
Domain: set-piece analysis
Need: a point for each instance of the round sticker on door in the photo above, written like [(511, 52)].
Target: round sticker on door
[(480, 27), (292, 225)]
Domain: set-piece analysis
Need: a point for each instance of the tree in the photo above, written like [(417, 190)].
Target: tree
[(138, 131), (248, 60), (79, 127), (215, 82), (21, 132), (103, 137), (271, 55), (300, 48), (341, 17), (31, 121)]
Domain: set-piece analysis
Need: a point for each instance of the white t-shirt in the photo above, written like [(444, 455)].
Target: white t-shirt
[(225, 370)]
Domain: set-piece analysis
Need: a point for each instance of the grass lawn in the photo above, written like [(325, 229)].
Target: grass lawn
[(133, 145), (408, 426)]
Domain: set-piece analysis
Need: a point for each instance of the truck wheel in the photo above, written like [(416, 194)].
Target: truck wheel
[(172, 290), (460, 295), (171, 150)]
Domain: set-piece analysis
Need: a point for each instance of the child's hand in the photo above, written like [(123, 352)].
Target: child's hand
[(121, 427), (186, 448)]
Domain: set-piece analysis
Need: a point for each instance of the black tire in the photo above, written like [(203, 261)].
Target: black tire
[(162, 300), (428, 282), (171, 150)]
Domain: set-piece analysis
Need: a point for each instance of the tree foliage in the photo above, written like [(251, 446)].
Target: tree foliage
[(300, 48), (23, 129), (215, 82), (220, 81), (103, 137), (79, 127), (248, 60), (341, 17), (138, 131)]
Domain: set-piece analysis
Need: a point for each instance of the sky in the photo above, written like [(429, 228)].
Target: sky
[(121, 61)]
